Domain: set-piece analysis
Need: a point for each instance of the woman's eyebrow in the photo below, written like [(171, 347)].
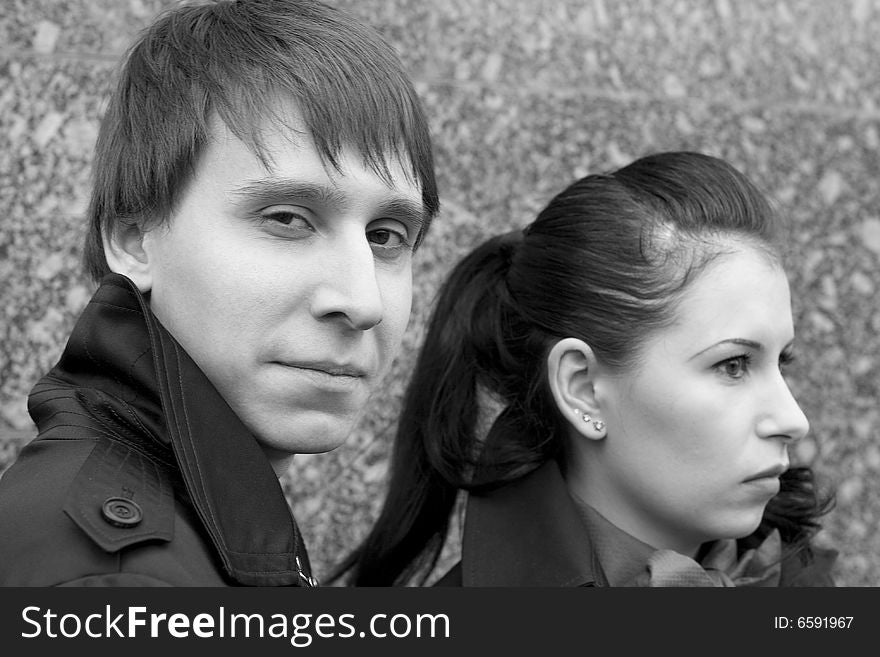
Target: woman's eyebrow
[(742, 342)]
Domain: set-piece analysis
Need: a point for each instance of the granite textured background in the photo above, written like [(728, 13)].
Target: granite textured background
[(524, 96)]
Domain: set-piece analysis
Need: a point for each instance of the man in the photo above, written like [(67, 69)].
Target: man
[(262, 178)]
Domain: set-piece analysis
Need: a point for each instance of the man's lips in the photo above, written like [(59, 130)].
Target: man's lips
[(330, 368)]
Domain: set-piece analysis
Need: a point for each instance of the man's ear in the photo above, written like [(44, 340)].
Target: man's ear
[(572, 369), (125, 253)]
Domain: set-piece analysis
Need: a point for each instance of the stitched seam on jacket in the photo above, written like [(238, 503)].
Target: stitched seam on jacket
[(195, 459)]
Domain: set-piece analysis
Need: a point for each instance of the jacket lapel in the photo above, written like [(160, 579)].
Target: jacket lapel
[(229, 480)]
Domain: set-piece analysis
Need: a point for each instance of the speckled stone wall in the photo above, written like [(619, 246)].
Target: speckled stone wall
[(524, 96)]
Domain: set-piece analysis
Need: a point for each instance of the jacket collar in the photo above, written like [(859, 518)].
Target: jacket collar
[(119, 348), (527, 533)]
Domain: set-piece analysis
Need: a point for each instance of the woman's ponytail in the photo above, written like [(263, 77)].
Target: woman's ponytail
[(437, 444)]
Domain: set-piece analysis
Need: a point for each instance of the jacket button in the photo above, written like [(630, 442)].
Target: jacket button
[(121, 512)]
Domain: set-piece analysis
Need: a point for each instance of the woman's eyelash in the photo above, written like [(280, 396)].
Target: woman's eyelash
[(735, 367), (743, 363)]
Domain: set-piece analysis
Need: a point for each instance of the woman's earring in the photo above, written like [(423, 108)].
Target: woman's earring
[(598, 425)]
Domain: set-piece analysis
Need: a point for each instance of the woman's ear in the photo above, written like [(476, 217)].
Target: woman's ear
[(125, 253), (572, 369)]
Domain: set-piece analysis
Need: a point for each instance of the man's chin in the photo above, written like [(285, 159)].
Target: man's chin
[(306, 438)]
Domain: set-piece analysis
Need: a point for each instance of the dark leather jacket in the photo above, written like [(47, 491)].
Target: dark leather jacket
[(530, 533), (141, 474)]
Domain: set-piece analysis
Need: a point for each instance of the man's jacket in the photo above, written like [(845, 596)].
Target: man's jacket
[(141, 474)]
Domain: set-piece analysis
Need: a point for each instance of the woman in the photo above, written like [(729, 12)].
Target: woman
[(634, 337)]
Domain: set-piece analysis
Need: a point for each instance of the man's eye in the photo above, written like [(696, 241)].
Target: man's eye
[(286, 216), (389, 236), (386, 237)]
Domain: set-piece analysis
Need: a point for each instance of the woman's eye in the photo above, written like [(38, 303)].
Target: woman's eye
[(734, 368), (786, 358)]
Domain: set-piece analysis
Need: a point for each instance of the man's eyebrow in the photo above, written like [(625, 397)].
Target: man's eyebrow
[(405, 210), (273, 190), (742, 342)]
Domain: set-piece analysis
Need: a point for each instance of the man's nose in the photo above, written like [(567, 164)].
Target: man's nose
[(348, 289)]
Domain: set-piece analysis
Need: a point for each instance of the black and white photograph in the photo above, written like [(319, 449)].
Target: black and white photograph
[(452, 294)]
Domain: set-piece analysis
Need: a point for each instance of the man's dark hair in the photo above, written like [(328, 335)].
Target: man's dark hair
[(243, 62)]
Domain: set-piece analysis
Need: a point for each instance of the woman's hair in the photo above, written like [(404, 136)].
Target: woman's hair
[(606, 261), (235, 61)]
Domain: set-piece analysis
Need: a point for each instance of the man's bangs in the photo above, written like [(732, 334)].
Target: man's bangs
[(377, 118), (332, 123)]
